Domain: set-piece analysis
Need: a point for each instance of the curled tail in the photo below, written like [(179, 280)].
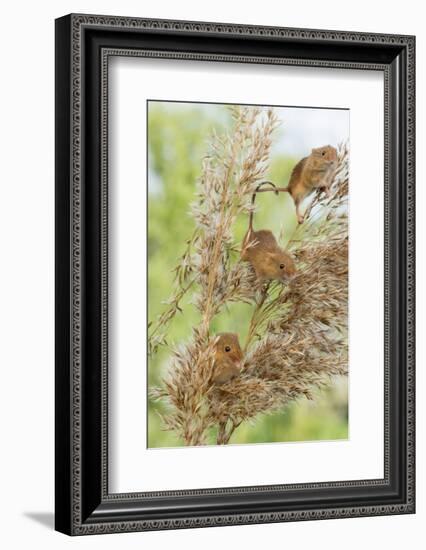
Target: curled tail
[(275, 189)]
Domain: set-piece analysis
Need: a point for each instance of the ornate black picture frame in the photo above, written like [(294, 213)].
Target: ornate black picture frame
[(83, 45)]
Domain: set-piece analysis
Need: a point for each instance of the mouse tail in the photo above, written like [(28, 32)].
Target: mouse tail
[(275, 189), (253, 199)]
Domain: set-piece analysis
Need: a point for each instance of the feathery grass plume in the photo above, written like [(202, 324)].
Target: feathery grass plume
[(302, 340), (229, 176), (187, 387), (231, 170), (297, 337)]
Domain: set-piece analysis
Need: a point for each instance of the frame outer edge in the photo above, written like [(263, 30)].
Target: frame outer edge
[(63, 494), (77, 22)]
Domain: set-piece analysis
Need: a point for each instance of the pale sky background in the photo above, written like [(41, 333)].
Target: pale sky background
[(301, 128), (305, 128)]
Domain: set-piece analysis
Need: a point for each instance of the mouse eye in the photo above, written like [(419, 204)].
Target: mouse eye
[(227, 348), (323, 153), (282, 266)]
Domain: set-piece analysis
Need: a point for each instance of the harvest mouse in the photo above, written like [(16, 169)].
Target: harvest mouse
[(312, 172), (227, 359), (261, 249)]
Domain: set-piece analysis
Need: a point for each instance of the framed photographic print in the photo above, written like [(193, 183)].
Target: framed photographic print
[(234, 274)]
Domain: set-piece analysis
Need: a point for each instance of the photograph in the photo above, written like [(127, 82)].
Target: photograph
[(210, 299), (234, 274), (247, 281)]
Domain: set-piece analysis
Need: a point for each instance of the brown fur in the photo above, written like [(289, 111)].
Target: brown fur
[(261, 249), (310, 173), (228, 357), (269, 260)]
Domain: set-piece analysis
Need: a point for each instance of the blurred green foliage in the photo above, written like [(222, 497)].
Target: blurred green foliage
[(178, 136)]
